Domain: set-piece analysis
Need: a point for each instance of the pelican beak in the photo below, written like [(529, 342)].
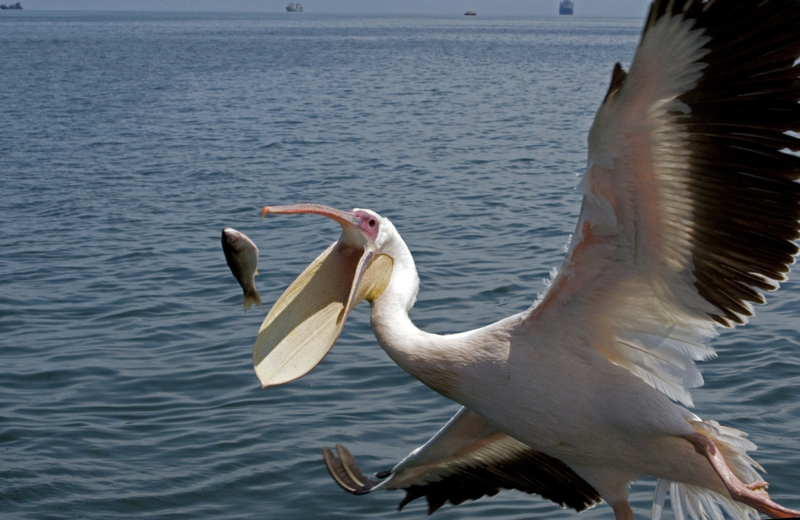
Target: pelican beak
[(304, 323)]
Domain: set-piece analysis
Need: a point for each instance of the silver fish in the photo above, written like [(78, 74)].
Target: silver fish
[(242, 257)]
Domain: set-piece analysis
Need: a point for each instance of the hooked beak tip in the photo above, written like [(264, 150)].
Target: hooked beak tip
[(265, 211)]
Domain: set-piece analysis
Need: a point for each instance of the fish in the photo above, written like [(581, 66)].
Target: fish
[(242, 257)]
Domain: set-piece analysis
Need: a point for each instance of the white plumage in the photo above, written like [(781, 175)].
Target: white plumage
[(690, 210)]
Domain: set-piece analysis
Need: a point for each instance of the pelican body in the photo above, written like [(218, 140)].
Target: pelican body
[(690, 212)]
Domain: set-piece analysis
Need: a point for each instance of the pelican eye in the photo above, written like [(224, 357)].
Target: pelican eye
[(372, 223)]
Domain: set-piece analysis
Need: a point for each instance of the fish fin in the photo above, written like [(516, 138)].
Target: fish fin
[(250, 299)]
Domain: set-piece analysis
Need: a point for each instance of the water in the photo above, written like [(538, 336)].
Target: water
[(128, 140)]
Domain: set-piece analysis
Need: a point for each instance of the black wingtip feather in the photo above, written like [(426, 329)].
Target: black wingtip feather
[(344, 470), (618, 77), (746, 211), (529, 471)]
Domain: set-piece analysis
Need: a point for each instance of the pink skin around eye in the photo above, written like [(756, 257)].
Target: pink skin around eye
[(368, 224)]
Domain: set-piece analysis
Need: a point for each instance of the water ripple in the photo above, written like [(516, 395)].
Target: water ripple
[(128, 389)]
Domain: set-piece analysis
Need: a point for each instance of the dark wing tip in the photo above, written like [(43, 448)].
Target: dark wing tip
[(529, 471), (742, 183), (439, 493), (618, 77), (345, 471)]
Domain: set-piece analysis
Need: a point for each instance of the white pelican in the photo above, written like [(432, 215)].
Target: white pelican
[(690, 211)]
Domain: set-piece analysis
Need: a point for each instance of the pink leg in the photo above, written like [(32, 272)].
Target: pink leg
[(754, 494)]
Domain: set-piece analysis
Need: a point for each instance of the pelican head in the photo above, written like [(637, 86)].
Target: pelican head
[(304, 323)]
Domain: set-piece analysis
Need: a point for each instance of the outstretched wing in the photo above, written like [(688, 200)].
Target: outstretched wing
[(466, 460), (690, 207)]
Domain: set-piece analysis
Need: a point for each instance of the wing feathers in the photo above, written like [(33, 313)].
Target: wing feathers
[(466, 460), (509, 468), (690, 207), (617, 79), (745, 211), (345, 471)]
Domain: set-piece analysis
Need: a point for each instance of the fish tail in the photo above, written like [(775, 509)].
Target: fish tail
[(250, 299)]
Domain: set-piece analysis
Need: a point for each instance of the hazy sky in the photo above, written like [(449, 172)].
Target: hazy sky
[(615, 8)]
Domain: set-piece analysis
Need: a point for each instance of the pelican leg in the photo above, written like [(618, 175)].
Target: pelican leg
[(622, 510), (754, 494)]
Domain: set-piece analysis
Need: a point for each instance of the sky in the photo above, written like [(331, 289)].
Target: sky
[(593, 8)]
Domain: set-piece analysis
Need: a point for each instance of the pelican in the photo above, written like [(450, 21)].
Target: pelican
[(690, 213)]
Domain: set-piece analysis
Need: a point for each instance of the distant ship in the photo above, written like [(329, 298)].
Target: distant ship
[(15, 6), (566, 7), (470, 13), (294, 8)]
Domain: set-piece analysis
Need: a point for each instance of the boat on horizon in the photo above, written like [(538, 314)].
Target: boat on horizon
[(470, 13), (566, 7), (13, 6), (294, 8)]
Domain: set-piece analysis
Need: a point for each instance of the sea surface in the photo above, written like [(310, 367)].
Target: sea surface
[(127, 142)]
